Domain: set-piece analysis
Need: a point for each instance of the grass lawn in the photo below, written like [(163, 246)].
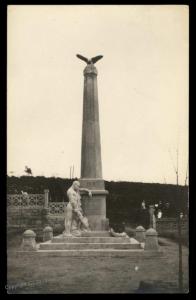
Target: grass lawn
[(64, 275)]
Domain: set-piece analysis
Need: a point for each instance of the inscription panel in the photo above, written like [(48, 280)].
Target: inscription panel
[(92, 184), (94, 206)]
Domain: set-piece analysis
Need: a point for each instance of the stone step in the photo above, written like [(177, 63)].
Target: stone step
[(132, 253), (96, 234), (81, 246), (61, 239), (94, 253)]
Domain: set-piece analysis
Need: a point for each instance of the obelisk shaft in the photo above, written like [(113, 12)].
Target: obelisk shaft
[(91, 166)]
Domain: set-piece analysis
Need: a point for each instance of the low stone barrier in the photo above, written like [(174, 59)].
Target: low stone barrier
[(34, 211), (168, 227)]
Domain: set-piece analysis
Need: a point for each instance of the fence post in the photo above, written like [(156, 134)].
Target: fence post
[(28, 241), (151, 242), (46, 198), (47, 233), (180, 270), (140, 234)]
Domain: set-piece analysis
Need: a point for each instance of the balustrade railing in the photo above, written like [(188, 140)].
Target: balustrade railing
[(57, 208), (30, 200), (18, 201)]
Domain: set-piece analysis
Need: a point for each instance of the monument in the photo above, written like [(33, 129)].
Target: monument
[(91, 165), (87, 231)]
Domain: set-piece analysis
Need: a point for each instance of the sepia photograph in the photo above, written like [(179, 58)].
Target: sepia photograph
[(97, 149)]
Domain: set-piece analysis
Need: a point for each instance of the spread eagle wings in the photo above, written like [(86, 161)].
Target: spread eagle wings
[(96, 58), (88, 61), (83, 58)]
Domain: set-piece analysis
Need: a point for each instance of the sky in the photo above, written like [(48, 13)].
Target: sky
[(142, 89)]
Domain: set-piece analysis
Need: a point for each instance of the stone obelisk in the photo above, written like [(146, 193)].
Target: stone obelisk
[(91, 164)]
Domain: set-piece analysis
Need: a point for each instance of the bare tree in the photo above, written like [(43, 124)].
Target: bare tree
[(186, 177), (179, 216), (175, 166), (73, 171)]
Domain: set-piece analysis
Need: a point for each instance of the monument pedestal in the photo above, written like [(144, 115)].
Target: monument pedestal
[(95, 207), (95, 244)]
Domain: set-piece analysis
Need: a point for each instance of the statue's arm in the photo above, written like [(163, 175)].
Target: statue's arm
[(87, 191)]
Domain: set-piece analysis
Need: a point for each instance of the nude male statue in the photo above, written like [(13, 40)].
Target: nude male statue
[(75, 222)]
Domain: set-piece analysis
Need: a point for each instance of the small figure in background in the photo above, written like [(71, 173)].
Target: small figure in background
[(159, 214), (156, 207), (143, 204), (181, 215), (142, 217)]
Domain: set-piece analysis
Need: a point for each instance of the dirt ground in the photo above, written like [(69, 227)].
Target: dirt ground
[(68, 275)]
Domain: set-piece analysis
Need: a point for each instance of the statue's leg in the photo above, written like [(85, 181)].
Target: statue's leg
[(75, 228), (82, 221), (68, 221), (79, 224)]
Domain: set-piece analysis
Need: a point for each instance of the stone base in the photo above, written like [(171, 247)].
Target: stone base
[(90, 239), (101, 233), (95, 210), (89, 246), (133, 253), (96, 222), (95, 207), (90, 243), (96, 244)]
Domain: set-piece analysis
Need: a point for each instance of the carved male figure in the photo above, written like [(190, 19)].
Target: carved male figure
[(74, 219)]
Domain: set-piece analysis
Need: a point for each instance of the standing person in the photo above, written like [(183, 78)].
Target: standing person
[(159, 214), (143, 215), (143, 205)]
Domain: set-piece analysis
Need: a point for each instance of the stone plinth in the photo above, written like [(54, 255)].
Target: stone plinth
[(89, 239), (100, 233), (140, 234), (151, 242), (47, 233), (28, 241), (98, 245), (95, 209), (92, 243)]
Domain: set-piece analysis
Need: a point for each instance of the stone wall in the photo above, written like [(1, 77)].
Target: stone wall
[(168, 227), (34, 211), (57, 223), (24, 209)]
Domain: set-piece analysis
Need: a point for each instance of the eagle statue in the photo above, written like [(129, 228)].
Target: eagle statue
[(93, 60)]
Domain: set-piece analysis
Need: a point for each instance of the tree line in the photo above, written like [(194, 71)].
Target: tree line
[(124, 199)]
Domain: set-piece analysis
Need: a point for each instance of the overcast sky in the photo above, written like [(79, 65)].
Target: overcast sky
[(142, 87)]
